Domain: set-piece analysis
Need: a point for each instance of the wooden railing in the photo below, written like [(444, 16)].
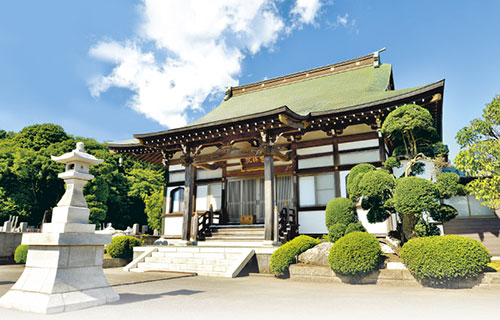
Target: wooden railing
[(202, 222), (288, 226)]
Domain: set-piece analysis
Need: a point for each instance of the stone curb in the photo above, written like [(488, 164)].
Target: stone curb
[(403, 278)]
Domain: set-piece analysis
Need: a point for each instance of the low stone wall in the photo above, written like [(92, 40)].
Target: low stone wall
[(302, 272), (9, 241), (114, 262)]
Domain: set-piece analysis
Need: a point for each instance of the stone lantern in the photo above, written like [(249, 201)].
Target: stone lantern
[(64, 265)]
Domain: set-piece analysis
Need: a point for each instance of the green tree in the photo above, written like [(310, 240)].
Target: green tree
[(411, 134), (377, 187), (480, 154), (29, 184), (154, 209)]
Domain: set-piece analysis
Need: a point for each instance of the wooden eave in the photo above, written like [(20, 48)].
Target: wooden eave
[(153, 147)]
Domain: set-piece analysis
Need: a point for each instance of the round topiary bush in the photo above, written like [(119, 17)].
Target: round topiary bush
[(336, 231), (355, 255), (287, 253), (355, 226), (122, 247), (340, 210), (21, 254), (354, 177), (438, 260)]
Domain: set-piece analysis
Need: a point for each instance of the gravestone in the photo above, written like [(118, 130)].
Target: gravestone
[(63, 269), (23, 226), (135, 229)]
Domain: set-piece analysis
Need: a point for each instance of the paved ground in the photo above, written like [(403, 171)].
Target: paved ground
[(175, 296)]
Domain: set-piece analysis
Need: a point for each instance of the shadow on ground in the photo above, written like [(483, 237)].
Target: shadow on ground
[(132, 297), (118, 284)]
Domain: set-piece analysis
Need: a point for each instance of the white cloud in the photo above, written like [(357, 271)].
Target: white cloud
[(196, 49), (306, 11), (343, 20)]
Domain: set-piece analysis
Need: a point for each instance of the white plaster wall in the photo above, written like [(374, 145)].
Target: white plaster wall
[(359, 156), (172, 226), (314, 150), (373, 228), (358, 144), (176, 176), (208, 174), (312, 222), (316, 162), (427, 174)]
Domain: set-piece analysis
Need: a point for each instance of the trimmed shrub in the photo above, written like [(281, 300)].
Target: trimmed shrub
[(122, 247), (340, 210), (354, 177), (355, 226), (355, 255), (336, 232), (412, 197), (425, 229), (287, 253), (439, 259), (376, 187), (21, 253), (447, 185), (444, 213), (392, 162)]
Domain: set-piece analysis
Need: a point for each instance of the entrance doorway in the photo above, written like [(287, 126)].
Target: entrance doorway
[(246, 197)]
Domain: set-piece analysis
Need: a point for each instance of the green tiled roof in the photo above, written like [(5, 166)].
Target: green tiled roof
[(324, 93)]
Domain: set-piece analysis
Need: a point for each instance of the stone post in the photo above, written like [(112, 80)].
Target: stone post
[(64, 264)]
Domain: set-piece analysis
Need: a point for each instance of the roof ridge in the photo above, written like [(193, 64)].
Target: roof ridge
[(347, 65)]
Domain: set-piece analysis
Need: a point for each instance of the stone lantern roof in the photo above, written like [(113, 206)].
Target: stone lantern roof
[(78, 155)]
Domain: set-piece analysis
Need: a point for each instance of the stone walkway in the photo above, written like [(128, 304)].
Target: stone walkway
[(175, 296)]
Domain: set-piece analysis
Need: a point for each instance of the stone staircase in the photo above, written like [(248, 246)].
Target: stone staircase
[(204, 261), (237, 233)]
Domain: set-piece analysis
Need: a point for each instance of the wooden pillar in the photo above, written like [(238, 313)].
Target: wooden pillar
[(268, 197), (381, 146), (188, 201), (336, 162)]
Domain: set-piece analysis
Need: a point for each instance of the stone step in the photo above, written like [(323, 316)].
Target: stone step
[(176, 260), (208, 261), (235, 239), (236, 231), (238, 226)]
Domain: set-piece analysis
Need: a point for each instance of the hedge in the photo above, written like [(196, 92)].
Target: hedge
[(438, 260), (355, 255), (287, 253), (21, 254), (340, 210), (122, 247)]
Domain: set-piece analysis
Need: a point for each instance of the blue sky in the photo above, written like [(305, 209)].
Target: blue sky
[(104, 68)]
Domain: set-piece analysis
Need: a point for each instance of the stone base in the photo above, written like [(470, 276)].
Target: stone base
[(60, 278), (57, 302)]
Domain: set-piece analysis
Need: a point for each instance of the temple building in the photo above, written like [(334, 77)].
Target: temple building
[(275, 152)]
